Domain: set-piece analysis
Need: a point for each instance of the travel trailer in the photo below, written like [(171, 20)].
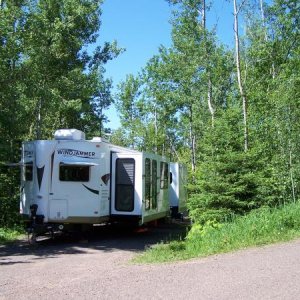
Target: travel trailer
[(72, 181)]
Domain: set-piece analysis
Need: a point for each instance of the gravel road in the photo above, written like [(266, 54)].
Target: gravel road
[(100, 269)]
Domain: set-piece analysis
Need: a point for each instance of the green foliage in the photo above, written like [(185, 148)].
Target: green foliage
[(131, 109), (234, 183), (9, 201), (230, 181), (10, 234), (260, 227), (199, 231)]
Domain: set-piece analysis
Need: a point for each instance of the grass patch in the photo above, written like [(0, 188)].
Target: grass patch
[(10, 234), (260, 227)]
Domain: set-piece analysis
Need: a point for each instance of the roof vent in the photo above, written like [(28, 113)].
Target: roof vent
[(69, 134), (99, 139)]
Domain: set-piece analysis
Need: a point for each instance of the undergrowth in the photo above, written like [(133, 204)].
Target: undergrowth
[(10, 234), (260, 227)]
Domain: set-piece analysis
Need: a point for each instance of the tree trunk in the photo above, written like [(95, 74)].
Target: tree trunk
[(155, 128), (193, 142), (239, 77), (209, 100), (291, 173), (290, 150), (100, 122), (39, 120), (202, 13)]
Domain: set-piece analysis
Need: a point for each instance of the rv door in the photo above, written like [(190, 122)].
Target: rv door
[(126, 185)]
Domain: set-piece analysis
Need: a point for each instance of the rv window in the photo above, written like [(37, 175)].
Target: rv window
[(164, 178), (147, 183), (28, 173), (125, 178), (150, 184), (154, 184), (74, 173)]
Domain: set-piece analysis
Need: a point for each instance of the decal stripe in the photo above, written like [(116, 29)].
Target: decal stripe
[(40, 173), (105, 178), (52, 162), (91, 190)]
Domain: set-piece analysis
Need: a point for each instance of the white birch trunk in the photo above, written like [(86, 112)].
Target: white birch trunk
[(239, 77)]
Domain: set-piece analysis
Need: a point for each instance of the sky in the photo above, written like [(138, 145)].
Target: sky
[(141, 26)]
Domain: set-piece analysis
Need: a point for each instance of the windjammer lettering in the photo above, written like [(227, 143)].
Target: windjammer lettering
[(78, 153)]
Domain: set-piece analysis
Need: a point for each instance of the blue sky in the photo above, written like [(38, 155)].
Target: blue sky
[(141, 26)]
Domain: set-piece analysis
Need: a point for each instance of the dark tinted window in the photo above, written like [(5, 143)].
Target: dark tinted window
[(28, 173), (74, 173)]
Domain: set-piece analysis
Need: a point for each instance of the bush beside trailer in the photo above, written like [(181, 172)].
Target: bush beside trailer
[(70, 180)]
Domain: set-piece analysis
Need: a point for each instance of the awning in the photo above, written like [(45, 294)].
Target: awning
[(77, 163), (19, 164)]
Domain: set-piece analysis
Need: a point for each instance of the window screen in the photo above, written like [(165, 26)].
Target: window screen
[(125, 173)]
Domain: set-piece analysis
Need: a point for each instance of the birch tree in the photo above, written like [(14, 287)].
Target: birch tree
[(242, 85)]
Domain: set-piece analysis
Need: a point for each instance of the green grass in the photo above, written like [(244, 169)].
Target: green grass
[(10, 234), (260, 227)]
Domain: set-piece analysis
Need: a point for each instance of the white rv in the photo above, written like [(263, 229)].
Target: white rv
[(70, 180)]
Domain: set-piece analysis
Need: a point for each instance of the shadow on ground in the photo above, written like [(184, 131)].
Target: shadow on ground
[(102, 238)]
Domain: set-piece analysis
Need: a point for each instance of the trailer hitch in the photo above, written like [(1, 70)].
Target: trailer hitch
[(36, 224), (33, 210), (31, 228)]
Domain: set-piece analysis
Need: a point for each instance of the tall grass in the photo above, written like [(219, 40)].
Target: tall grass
[(10, 234), (260, 227)]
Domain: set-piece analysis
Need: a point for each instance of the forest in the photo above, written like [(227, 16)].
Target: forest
[(232, 115)]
